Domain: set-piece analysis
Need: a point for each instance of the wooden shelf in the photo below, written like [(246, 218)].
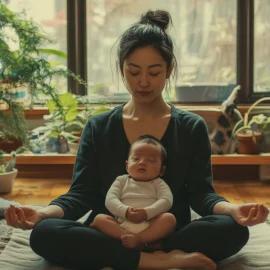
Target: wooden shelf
[(236, 159), (69, 159), (44, 159)]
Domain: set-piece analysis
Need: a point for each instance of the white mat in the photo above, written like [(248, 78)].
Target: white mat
[(17, 255)]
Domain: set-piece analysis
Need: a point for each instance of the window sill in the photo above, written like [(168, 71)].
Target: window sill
[(39, 111), (69, 159)]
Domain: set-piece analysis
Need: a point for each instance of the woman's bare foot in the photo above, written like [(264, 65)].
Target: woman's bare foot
[(131, 240), (194, 260), (176, 259)]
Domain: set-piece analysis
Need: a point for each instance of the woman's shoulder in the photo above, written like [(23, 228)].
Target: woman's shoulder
[(106, 120), (186, 117), (112, 114)]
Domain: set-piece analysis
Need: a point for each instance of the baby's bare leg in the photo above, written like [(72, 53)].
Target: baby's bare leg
[(108, 225), (160, 227)]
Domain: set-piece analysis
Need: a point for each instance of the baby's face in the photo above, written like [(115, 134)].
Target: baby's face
[(144, 162)]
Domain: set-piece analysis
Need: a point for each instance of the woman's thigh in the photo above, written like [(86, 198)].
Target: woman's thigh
[(216, 236), (72, 245)]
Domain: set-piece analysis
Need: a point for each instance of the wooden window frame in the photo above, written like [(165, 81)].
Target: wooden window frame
[(77, 48)]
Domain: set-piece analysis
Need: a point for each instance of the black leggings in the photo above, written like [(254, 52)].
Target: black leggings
[(73, 245)]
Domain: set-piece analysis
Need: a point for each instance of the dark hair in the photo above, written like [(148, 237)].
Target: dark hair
[(149, 31), (151, 140)]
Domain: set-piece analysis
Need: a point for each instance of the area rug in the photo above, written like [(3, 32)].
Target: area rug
[(15, 253)]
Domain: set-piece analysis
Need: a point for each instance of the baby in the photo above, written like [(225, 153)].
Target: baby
[(140, 200)]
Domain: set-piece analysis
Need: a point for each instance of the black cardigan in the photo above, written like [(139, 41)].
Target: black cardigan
[(103, 151)]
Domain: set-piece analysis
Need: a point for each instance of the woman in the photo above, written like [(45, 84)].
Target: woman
[(146, 61)]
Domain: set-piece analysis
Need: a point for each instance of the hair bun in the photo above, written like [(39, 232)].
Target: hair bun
[(159, 17)]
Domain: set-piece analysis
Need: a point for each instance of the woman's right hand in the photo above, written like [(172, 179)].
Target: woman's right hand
[(23, 217)]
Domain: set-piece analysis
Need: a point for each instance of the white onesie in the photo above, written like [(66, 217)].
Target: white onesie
[(154, 196)]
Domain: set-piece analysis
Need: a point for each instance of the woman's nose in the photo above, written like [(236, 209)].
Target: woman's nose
[(144, 80)]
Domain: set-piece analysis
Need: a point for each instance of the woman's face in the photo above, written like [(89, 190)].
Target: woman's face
[(145, 73)]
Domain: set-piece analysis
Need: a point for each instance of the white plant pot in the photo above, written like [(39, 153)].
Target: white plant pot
[(73, 148), (6, 181)]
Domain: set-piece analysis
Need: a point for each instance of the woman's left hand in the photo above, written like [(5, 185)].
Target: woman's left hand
[(249, 214)]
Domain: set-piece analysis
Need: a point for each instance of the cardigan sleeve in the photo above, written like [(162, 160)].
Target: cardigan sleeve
[(201, 193), (84, 193)]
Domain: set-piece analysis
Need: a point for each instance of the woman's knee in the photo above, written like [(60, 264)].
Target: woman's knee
[(41, 234), (239, 233)]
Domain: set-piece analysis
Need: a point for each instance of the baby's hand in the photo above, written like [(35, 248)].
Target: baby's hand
[(136, 215)]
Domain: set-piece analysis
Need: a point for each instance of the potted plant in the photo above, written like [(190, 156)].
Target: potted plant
[(8, 172), (24, 70), (64, 125), (248, 138)]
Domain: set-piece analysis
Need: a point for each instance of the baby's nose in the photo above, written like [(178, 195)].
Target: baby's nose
[(142, 162)]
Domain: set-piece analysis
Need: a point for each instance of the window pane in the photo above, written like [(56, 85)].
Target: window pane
[(262, 46), (50, 15), (204, 34)]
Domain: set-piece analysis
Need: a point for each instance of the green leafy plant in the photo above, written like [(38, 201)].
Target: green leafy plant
[(245, 125), (69, 119), (26, 68), (7, 166)]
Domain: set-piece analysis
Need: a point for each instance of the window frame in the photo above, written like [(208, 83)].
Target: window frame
[(77, 48)]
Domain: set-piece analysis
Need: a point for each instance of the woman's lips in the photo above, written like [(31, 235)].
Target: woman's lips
[(144, 93)]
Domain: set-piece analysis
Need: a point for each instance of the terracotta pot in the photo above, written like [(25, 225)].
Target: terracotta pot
[(9, 144), (248, 142)]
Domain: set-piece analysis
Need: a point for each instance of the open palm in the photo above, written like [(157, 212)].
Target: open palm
[(250, 214), (22, 217)]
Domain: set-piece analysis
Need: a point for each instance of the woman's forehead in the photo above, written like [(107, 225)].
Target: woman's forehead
[(145, 57)]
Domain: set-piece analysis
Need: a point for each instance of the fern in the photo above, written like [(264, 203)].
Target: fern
[(25, 67)]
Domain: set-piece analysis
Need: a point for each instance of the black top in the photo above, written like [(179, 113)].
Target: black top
[(103, 151)]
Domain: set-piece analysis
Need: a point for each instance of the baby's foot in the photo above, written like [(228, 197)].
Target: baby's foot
[(131, 240)]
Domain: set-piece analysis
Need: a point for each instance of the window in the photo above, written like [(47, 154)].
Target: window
[(262, 46), (204, 34), (50, 15), (218, 44)]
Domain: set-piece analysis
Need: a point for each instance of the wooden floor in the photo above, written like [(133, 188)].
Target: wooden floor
[(42, 191)]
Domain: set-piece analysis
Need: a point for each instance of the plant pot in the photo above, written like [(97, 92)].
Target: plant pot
[(248, 142), (73, 148), (9, 144), (7, 180)]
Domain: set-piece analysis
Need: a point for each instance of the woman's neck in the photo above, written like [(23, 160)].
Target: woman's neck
[(146, 111)]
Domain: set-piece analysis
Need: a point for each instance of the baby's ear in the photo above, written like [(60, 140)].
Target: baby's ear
[(126, 165), (162, 171)]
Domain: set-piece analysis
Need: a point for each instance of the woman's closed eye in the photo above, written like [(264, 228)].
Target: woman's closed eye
[(151, 74), (134, 74), (154, 74)]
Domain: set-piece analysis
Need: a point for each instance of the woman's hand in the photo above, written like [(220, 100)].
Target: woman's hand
[(249, 214), (136, 215), (23, 217)]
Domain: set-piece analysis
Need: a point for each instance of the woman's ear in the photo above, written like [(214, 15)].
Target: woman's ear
[(162, 171)]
